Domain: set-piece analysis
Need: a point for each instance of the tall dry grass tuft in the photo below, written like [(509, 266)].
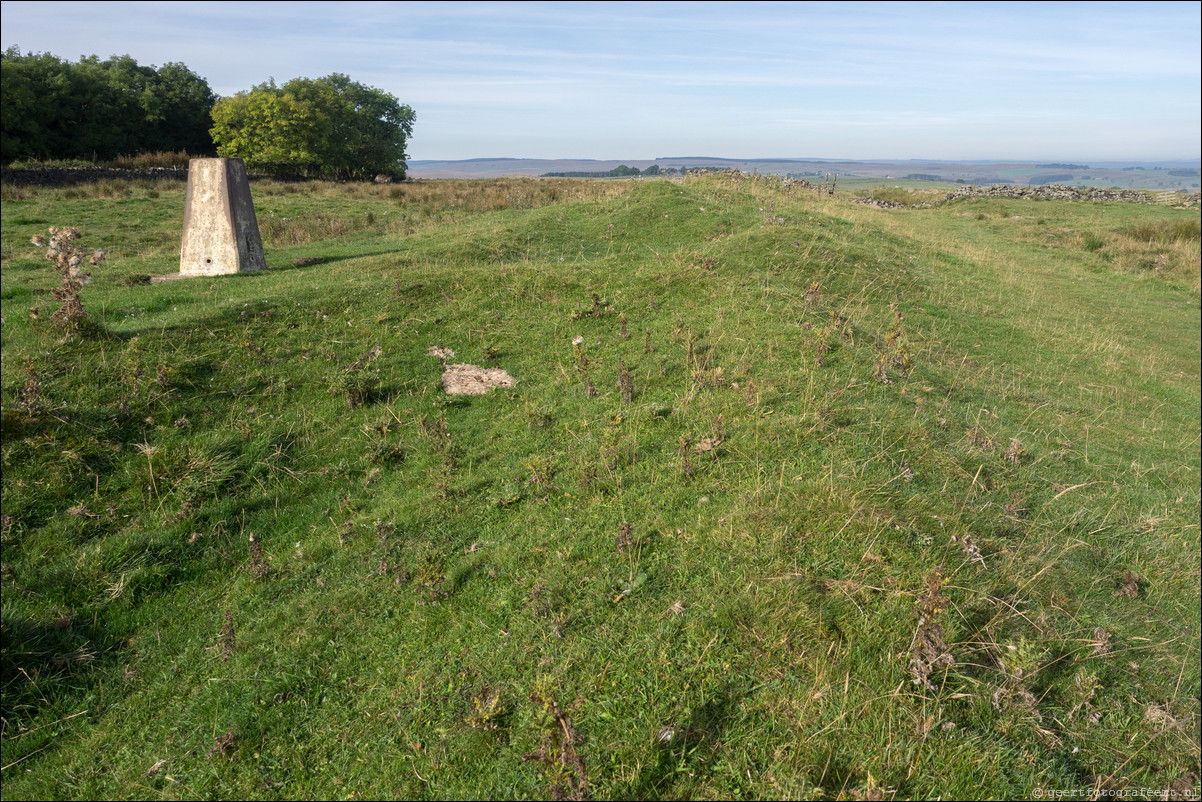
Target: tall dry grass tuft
[(158, 160), (1167, 249)]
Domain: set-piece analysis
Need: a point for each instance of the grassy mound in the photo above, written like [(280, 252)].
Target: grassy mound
[(791, 498)]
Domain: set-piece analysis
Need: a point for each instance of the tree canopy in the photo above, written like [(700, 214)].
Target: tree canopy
[(93, 109), (329, 127)]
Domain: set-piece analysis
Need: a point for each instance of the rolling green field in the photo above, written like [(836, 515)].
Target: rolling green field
[(827, 501)]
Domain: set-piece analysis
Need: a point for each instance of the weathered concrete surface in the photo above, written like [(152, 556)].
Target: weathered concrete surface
[(221, 233)]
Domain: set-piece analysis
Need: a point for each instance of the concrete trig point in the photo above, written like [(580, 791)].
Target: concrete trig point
[(221, 234)]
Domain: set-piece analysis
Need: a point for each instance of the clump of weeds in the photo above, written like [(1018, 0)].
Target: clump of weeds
[(430, 577), (980, 440), (684, 451), (224, 745), (625, 538), (29, 397), (625, 382), (598, 308), (1128, 586), (1101, 642), (931, 652), (1019, 661), (822, 346), (543, 606), (611, 449), (581, 358), (1085, 687), (586, 473), (355, 382), (382, 449), (68, 258), (1015, 506), (559, 751), (541, 474), (842, 326), (751, 395), (1015, 452), (259, 565), (487, 709), (970, 548), (434, 430), (227, 641), (138, 388), (813, 294), (894, 356)]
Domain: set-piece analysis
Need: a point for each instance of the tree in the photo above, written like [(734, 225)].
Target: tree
[(271, 132), (55, 109), (331, 127), (28, 113), (185, 102)]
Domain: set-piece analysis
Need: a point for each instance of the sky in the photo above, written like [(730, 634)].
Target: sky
[(974, 81)]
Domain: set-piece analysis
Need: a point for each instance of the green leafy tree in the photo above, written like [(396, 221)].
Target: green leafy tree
[(331, 127), (93, 109), (116, 106), (185, 102), (29, 109), (271, 131)]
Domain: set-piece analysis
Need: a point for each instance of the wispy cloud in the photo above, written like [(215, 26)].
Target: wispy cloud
[(746, 78)]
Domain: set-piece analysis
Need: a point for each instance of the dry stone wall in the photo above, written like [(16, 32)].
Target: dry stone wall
[(65, 176), (1039, 192), (1056, 192), (68, 176)]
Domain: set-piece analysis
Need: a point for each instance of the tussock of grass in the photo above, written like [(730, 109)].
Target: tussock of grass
[(1166, 249), (903, 196), (792, 497), (1168, 232)]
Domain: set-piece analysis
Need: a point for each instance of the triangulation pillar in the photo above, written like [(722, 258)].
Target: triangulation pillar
[(221, 234)]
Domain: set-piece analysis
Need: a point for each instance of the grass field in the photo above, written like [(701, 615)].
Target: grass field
[(827, 501)]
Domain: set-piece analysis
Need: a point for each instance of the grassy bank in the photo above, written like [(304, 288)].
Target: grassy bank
[(828, 501)]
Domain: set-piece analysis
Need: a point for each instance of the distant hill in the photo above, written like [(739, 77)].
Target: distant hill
[(1136, 175)]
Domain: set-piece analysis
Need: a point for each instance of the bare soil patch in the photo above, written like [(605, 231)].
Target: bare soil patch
[(463, 379)]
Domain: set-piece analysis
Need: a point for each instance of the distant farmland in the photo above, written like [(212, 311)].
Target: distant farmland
[(1144, 176)]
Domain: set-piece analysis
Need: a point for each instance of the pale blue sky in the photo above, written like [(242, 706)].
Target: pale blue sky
[(1038, 81)]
